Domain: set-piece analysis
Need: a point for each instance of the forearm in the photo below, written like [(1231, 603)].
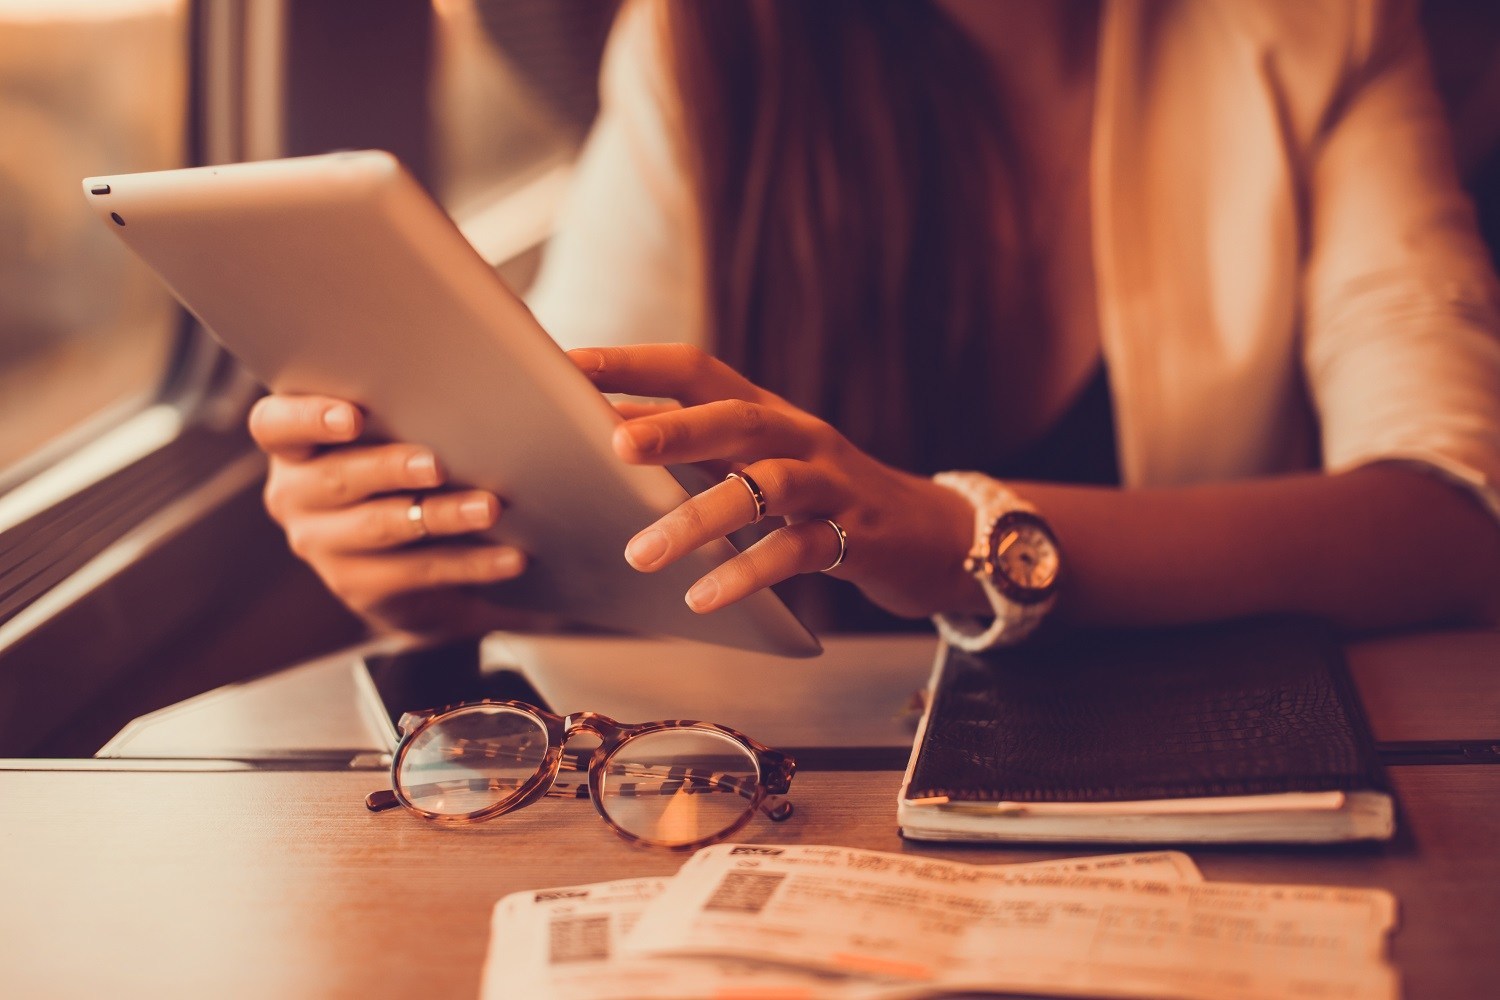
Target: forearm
[(1380, 546)]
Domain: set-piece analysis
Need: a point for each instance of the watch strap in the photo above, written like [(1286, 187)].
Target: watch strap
[(1013, 621), (973, 635)]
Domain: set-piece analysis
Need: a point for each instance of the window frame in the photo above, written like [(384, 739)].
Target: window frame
[(118, 538), (195, 587)]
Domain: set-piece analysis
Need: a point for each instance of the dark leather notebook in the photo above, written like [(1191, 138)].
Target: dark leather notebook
[(1260, 708)]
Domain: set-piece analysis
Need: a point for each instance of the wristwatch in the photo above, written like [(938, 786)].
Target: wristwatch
[(1015, 558)]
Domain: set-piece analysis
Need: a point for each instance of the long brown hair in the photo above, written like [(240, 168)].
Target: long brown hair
[(862, 223)]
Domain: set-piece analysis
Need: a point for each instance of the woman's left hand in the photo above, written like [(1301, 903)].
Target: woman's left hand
[(906, 536)]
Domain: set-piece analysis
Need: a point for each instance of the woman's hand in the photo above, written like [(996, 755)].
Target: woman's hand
[(907, 537), (349, 510)]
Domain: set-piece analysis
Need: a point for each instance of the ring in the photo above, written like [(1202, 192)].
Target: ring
[(756, 496), (838, 529), (416, 518)]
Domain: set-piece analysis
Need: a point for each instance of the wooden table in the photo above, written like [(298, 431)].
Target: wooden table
[(281, 884), (1435, 687), (211, 879)]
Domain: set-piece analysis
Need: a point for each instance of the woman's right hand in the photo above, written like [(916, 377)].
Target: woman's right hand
[(346, 508)]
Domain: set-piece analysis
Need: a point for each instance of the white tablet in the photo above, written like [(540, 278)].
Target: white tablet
[(338, 275)]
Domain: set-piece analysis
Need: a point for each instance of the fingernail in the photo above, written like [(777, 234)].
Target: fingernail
[(476, 511), (339, 420), (646, 548), (588, 362), (509, 562), (703, 593), (645, 437), (423, 468)]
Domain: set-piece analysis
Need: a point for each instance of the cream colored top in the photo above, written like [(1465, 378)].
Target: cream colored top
[(1281, 245)]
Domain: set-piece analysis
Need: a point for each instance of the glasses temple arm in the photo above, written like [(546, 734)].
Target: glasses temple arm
[(381, 801)]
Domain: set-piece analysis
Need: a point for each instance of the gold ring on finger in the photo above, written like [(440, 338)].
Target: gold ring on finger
[(416, 517), (843, 537), (757, 497)]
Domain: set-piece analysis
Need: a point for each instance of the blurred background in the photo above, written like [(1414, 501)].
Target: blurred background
[(81, 82), (486, 98), (135, 565), (501, 91)]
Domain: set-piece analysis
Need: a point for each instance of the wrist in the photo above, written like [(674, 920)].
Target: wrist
[(958, 593)]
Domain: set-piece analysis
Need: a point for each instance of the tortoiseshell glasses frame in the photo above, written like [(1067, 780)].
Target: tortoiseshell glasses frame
[(772, 777)]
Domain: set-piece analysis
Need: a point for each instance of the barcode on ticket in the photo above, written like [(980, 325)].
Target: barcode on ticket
[(578, 939), (744, 892)]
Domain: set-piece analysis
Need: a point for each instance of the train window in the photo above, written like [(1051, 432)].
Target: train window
[(129, 544), (86, 87)]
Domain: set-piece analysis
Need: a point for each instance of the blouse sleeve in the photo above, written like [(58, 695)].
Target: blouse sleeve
[(1401, 315), (623, 264)]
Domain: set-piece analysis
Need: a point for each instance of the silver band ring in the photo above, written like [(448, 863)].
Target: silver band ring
[(838, 530), (416, 518), (756, 496)]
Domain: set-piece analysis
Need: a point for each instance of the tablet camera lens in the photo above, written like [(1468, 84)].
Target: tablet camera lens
[(116, 216)]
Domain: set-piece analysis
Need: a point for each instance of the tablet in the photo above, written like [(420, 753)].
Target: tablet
[(338, 275)]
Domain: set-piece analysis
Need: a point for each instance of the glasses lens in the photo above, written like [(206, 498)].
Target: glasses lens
[(472, 759), (679, 786)]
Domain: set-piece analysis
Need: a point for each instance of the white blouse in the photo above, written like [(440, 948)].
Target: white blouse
[(1287, 266)]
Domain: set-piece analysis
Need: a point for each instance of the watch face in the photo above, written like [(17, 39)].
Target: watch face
[(1023, 557)]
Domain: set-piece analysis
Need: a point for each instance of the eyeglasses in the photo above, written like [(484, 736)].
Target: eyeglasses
[(677, 784)]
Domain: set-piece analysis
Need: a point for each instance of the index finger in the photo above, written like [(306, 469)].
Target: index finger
[(675, 371), (293, 426)]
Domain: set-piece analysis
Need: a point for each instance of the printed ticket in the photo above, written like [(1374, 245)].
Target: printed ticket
[(559, 943), (1131, 931), (567, 942)]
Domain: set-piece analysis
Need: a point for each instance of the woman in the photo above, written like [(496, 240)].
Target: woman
[(1214, 253)]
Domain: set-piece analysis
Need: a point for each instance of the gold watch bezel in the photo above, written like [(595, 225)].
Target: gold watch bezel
[(981, 561)]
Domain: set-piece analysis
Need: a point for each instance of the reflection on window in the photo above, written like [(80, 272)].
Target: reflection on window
[(86, 87)]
